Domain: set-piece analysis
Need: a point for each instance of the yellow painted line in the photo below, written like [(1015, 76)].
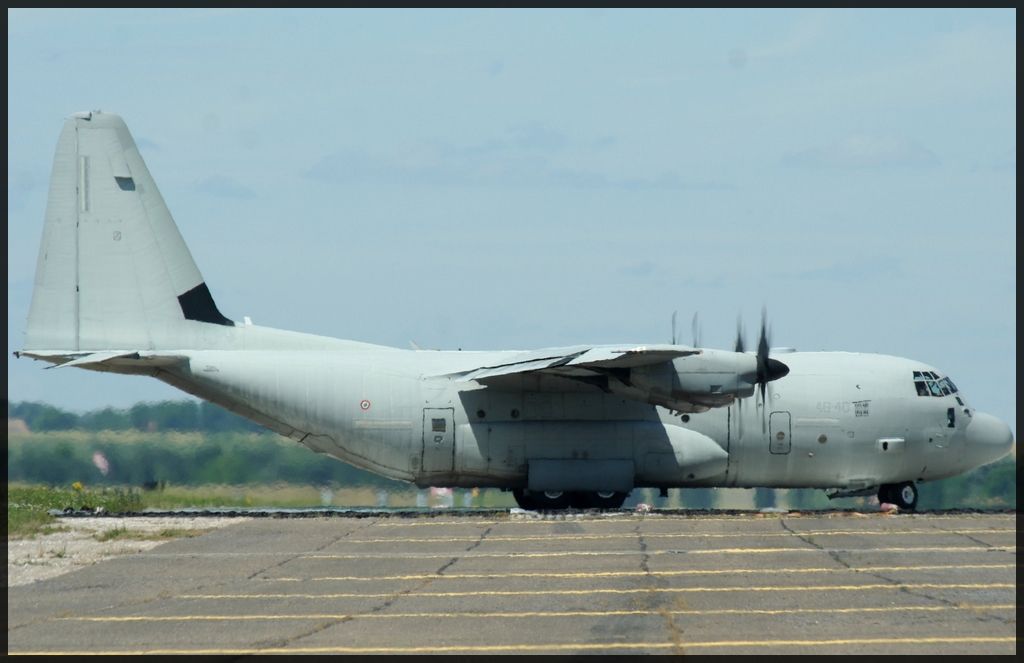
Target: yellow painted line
[(631, 517), (631, 574), (587, 592), (685, 535), (582, 646), (540, 614), (596, 553)]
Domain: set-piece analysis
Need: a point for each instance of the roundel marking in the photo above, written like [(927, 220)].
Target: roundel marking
[(364, 405)]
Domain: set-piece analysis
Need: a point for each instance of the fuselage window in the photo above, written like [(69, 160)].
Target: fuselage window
[(437, 425), (922, 390), (951, 418), (934, 386)]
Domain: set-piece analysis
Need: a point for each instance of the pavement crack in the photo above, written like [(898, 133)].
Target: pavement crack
[(972, 539), (363, 525), (675, 632), (893, 581), (834, 554), (390, 600)]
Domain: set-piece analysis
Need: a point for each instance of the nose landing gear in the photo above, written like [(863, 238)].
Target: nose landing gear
[(903, 495)]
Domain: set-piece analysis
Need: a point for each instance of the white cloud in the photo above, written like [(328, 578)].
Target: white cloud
[(861, 151)]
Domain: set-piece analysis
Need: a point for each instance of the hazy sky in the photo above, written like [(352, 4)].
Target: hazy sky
[(519, 179)]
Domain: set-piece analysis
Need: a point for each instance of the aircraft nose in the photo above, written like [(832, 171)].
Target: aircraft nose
[(988, 438)]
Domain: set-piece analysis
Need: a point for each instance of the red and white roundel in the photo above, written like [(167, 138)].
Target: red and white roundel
[(364, 405)]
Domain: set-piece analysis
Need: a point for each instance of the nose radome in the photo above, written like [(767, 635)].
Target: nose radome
[(988, 438)]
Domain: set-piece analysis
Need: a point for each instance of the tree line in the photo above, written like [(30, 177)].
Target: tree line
[(179, 416), (151, 459)]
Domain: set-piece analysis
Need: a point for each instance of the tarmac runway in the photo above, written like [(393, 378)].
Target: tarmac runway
[(656, 583)]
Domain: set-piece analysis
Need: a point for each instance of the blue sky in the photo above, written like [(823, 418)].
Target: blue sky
[(518, 179)]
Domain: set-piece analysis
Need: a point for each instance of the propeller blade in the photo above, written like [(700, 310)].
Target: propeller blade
[(674, 327), (768, 369), (695, 328)]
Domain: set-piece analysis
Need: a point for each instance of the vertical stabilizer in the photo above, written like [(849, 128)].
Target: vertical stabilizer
[(113, 270)]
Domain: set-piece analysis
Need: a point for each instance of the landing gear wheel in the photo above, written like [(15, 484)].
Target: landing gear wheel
[(887, 494), (607, 499), (551, 499), (905, 496), (524, 499), (534, 501)]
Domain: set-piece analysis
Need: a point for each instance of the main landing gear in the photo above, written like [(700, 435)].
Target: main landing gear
[(903, 495), (557, 500)]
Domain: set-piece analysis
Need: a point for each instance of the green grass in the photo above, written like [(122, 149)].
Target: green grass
[(28, 506)]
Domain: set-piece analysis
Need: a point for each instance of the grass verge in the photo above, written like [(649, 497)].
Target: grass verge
[(28, 507)]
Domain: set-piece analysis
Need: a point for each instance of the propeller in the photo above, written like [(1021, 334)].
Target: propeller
[(739, 347), (694, 329), (739, 335), (767, 369)]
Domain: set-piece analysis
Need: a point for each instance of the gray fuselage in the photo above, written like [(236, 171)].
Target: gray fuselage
[(838, 420)]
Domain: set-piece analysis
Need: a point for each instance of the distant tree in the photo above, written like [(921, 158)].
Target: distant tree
[(177, 415), (697, 498), (182, 415), (215, 419), (42, 417), (106, 419), (764, 498)]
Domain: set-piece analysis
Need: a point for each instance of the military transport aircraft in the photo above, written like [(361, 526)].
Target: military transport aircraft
[(116, 290)]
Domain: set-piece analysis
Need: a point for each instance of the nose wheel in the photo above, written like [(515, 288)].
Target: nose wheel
[(903, 495)]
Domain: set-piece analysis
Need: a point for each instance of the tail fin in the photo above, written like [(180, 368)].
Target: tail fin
[(113, 270)]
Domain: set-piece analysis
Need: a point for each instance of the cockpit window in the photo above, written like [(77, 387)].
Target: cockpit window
[(928, 383)]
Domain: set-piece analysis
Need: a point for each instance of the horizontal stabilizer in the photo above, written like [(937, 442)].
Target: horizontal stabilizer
[(95, 358), (110, 360)]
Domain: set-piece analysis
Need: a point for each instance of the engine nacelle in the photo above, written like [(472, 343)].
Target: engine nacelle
[(698, 382)]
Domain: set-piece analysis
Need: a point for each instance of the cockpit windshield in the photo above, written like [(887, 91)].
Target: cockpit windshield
[(929, 383)]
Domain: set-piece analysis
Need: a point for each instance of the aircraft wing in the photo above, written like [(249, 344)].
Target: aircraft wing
[(578, 361)]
